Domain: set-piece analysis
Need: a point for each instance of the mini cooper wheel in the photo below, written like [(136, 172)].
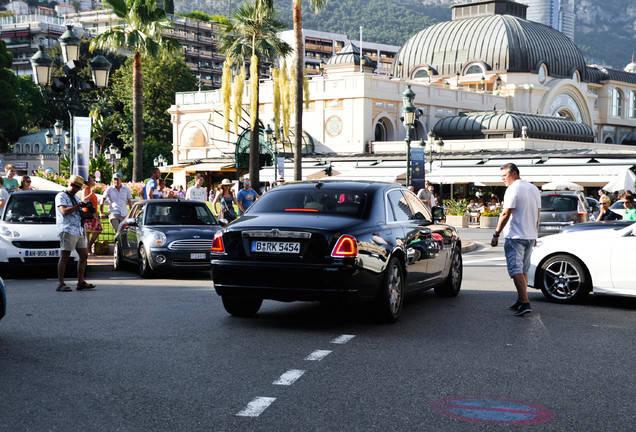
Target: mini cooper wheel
[(563, 279), (390, 298), (241, 307), (144, 267), (453, 283)]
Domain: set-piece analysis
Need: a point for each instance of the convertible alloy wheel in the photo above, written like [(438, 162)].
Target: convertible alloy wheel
[(453, 283), (390, 297), (563, 279)]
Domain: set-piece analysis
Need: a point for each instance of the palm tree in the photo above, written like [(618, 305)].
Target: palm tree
[(299, 65), (142, 34), (252, 32)]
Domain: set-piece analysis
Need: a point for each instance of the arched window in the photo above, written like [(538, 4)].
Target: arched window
[(632, 105), (617, 103), (36, 148), (27, 148), (17, 148), (474, 68)]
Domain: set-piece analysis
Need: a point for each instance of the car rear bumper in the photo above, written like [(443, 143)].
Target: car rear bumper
[(290, 282)]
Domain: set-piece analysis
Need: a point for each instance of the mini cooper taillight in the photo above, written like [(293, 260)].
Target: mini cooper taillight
[(217, 243), (346, 247)]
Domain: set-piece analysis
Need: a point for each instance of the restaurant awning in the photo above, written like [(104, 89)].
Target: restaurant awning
[(585, 173), (211, 166)]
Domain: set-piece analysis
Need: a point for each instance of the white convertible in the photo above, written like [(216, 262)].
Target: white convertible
[(567, 266)]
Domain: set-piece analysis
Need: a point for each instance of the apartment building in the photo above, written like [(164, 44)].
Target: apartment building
[(321, 46)]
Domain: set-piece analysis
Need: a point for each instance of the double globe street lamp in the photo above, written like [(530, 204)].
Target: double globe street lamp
[(68, 88)]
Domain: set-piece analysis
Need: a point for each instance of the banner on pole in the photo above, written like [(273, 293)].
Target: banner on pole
[(280, 162), (417, 167), (81, 146)]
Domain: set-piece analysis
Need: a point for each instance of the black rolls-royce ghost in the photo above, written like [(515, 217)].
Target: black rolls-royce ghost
[(335, 240)]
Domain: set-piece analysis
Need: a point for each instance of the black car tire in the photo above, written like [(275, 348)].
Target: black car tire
[(453, 283), (390, 297), (241, 307), (144, 267), (563, 279), (118, 264)]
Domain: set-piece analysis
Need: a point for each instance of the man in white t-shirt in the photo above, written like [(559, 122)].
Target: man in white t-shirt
[(197, 192), (519, 222)]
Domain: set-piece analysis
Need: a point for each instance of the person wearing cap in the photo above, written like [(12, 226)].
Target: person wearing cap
[(197, 192), (118, 195), (227, 199), (71, 233), (246, 196)]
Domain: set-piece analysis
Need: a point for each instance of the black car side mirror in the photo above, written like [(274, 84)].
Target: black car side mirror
[(131, 222), (438, 214)]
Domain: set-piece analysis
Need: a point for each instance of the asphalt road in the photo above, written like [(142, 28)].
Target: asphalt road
[(163, 355)]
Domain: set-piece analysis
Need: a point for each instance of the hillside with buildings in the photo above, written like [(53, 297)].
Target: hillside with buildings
[(603, 30)]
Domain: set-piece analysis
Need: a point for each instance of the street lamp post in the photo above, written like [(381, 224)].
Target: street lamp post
[(114, 155), (408, 111), (69, 87), (269, 137), (58, 127), (439, 143)]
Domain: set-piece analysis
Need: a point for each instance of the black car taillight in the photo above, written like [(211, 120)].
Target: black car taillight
[(217, 243), (346, 247)]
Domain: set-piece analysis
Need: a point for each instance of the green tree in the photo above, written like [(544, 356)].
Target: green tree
[(143, 33), (37, 114), (11, 113), (253, 33), (299, 65), (162, 78)]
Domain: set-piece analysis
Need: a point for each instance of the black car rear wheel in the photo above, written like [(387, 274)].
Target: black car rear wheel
[(390, 298), (563, 279), (144, 267), (453, 283), (241, 307)]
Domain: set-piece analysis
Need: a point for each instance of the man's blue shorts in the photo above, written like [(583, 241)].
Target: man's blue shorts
[(518, 253)]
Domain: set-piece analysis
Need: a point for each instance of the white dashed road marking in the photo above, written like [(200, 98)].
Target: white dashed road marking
[(483, 260), (342, 339), (318, 355), (256, 407), (289, 377)]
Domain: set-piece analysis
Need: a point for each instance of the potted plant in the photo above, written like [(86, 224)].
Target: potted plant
[(489, 218), (457, 212)]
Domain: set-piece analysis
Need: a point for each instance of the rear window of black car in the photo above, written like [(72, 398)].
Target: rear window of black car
[(559, 203), (178, 213), (312, 200), (26, 207)]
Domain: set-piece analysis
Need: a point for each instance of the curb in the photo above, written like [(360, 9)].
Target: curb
[(468, 246), (100, 262)]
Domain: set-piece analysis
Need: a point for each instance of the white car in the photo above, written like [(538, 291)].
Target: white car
[(618, 207), (28, 235), (567, 266)]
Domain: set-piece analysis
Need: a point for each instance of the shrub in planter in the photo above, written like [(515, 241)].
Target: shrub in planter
[(456, 207)]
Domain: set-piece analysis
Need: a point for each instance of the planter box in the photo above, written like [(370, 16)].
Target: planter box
[(457, 221), (488, 221)]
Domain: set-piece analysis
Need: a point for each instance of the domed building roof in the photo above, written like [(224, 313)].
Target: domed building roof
[(508, 124), (350, 55), (494, 33)]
